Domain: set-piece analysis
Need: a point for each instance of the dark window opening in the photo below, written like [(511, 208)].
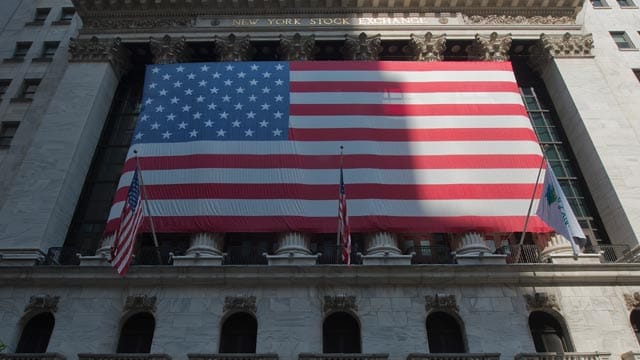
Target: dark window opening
[(7, 132), (4, 86), (49, 49), (341, 334), (622, 40), (444, 334), (40, 16), (67, 14), (547, 332), (21, 50), (136, 335), (635, 323), (599, 3), (239, 334), (36, 334)]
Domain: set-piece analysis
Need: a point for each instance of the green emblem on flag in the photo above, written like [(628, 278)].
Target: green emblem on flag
[(551, 195)]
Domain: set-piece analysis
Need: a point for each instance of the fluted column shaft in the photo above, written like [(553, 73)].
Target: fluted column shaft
[(382, 243), (206, 244), (293, 243)]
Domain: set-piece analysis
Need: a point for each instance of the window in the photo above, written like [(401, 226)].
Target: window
[(444, 333), (4, 86), (341, 334), (137, 334), (548, 333), (22, 48), (40, 16), (48, 50), (622, 40), (36, 333), (239, 334), (635, 323), (599, 3), (28, 91), (7, 132), (626, 3), (67, 15)]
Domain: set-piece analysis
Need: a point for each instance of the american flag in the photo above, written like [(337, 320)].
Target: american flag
[(251, 147), (130, 220), (344, 232)]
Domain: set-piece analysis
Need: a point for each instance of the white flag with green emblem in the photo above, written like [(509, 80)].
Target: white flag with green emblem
[(554, 209)]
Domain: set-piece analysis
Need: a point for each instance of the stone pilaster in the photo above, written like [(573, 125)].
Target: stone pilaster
[(382, 249), (293, 249), (205, 250), (168, 50), (233, 48), (297, 47), (362, 47), (427, 47), (472, 249), (490, 48)]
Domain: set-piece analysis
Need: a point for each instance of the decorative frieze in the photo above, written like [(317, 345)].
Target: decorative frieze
[(297, 47), (240, 303), (362, 47), (428, 47), (168, 50), (42, 303), (340, 303), (233, 48), (490, 48), (100, 50), (518, 20), (632, 300), (138, 303), (541, 301), (441, 302), (567, 45)]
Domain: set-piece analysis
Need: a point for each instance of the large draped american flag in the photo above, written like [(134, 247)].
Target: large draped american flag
[(254, 147)]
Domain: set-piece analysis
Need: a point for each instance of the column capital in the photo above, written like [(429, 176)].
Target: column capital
[(101, 50), (233, 48), (428, 47), (297, 47), (362, 47), (168, 50), (490, 48)]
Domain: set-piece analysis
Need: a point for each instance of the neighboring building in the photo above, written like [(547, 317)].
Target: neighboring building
[(67, 112)]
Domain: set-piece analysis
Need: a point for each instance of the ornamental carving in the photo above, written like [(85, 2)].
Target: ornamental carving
[(490, 48), (427, 48), (240, 303), (518, 20), (632, 300), (441, 302), (42, 303), (168, 50), (138, 23), (140, 303), (233, 48), (100, 50), (362, 47), (566, 45), (340, 303), (297, 47), (542, 301)]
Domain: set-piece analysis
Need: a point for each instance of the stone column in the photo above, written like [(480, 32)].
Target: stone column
[(560, 251), (382, 249), (362, 47), (168, 50), (293, 249), (490, 48), (297, 47), (472, 249), (41, 200), (233, 48), (428, 47), (205, 250)]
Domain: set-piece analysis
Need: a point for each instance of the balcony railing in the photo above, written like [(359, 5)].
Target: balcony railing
[(150, 255), (521, 254), (309, 356), (124, 357), (456, 356), (232, 356), (610, 253), (65, 255), (32, 356), (245, 255), (332, 254), (564, 356), (438, 254)]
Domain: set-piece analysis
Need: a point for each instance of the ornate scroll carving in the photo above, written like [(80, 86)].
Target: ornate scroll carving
[(233, 48), (441, 302), (542, 301), (340, 303), (518, 20), (490, 48), (362, 47), (240, 303), (169, 51), (297, 47), (42, 303), (150, 22), (100, 50), (427, 48), (566, 45), (632, 300), (140, 303)]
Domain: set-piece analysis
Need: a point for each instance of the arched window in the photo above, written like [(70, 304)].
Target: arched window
[(36, 334), (341, 334), (137, 334), (239, 334), (548, 333), (444, 333), (635, 323)]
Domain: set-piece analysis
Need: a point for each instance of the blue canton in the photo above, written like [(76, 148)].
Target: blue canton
[(214, 101), (134, 192)]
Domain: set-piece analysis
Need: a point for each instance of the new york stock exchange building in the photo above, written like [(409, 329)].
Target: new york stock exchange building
[(241, 123)]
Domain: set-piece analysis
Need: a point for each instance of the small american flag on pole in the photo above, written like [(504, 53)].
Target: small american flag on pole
[(130, 220), (343, 224)]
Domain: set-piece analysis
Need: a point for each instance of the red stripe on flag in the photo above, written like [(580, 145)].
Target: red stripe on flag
[(400, 87), (465, 134), (406, 109), (398, 66)]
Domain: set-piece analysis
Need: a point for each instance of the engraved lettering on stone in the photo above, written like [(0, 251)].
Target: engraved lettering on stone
[(362, 47), (632, 300), (441, 302), (340, 303), (518, 20), (233, 48), (490, 48), (42, 303), (297, 47), (100, 50), (140, 303), (427, 48), (150, 22), (240, 303), (542, 301), (168, 50)]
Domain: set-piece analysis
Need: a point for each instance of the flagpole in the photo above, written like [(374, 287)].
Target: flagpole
[(338, 244), (533, 196), (146, 206)]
